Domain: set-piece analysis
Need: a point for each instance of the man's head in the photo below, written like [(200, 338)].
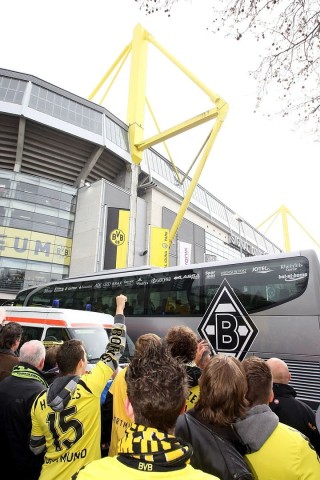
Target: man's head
[(259, 379), (51, 357), (10, 336), (183, 343), (157, 388), (146, 341), (72, 358), (280, 371), (223, 389), (33, 352)]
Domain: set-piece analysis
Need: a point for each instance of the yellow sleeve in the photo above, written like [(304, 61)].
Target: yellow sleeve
[(37, 438), (97, 379), (310, 463)]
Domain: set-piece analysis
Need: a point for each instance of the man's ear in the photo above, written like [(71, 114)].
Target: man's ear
[(271, 396), (183, 409), (129, 409)]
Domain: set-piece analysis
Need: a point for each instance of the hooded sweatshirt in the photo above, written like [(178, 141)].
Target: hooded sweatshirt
[(295, 413), (277, 451)]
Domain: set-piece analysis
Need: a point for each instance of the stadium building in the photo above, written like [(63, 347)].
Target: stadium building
[(65, 183)]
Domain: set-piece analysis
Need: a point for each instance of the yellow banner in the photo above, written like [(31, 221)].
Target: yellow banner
[(159, 247), (40, 247)]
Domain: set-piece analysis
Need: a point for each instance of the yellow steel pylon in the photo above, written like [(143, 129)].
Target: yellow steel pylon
[(137, 102), (284, 212)]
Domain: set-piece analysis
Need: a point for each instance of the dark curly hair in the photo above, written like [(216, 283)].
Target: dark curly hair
[(183, 343), (10, 333), (157, 388)]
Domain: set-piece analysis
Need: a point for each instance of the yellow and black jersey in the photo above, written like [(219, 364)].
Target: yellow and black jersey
[(193, 397), (120, 419), (72, 435)]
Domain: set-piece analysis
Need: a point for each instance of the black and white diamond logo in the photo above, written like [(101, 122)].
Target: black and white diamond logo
[(226, 325)]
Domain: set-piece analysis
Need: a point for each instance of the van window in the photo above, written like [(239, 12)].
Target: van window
[(60, 334), (31, 333), (95, 340)]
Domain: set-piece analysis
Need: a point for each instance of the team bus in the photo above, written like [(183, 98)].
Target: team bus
[(264, 305)]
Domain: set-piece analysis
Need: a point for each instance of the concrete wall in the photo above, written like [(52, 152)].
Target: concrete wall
[(91, 224), (86, 229)]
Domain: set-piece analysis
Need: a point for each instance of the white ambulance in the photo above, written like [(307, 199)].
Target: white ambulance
[(59, 324)]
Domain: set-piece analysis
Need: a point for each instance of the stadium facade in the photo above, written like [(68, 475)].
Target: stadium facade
[(65, 183)]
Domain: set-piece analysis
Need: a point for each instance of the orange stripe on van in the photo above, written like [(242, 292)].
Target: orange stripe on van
[(40, 321), (55, 322)]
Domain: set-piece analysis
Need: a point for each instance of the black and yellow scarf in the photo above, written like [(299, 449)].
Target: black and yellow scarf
[(149, 449), (22, 371)]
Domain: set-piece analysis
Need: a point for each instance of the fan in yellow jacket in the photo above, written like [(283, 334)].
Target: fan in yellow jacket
[(278, 452), (157, 389), (120, 419), (66, 418), (118, 393)]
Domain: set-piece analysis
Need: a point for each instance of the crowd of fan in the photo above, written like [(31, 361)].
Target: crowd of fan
[(176, 411)]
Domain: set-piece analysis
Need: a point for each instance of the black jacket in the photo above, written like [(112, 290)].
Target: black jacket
[(295, 413), (216, 449), (16, 398)]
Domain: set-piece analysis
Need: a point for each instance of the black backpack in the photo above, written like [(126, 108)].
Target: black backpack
[(213, 454)]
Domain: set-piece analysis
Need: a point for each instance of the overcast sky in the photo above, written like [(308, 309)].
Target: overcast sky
[(256, 164)]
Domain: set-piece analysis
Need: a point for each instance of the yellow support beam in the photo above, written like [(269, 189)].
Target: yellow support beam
[(136, 109), (176, 171), (137, 92), (284, 212), (123, 54), (196, 176), (177, 129), (304, 229), (216, 99)]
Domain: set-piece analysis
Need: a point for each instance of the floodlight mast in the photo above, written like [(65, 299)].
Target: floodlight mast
[(136, 110)]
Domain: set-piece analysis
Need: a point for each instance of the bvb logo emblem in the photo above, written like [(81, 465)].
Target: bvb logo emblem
[(117, 237)]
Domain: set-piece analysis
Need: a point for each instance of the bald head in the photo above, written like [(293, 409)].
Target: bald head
[(33, 352), (280, 371)]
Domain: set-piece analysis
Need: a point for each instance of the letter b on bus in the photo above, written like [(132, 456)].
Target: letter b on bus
[(227, 338)]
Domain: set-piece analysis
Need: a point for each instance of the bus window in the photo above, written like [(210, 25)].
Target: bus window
[(175, 293), (21, 296), (262, 284)]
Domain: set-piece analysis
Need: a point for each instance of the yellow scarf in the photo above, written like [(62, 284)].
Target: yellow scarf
[(158, 451)]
